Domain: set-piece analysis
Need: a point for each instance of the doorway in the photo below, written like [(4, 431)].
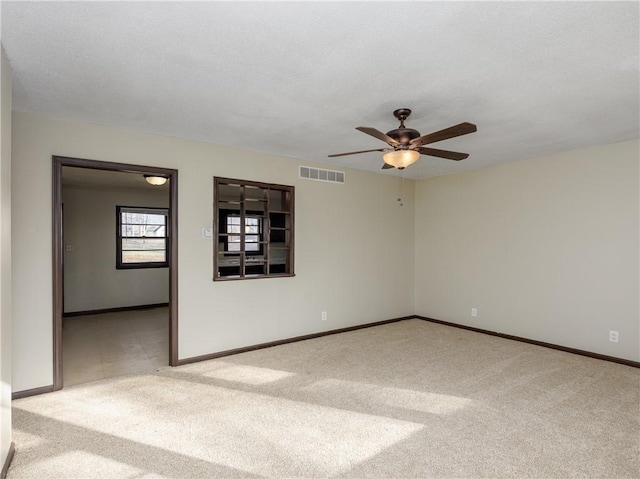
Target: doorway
[(171, 259)]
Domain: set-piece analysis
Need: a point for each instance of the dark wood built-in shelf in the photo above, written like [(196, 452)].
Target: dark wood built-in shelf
[(261, 244)]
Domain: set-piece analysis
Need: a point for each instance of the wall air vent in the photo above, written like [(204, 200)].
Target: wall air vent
[(317, 174)]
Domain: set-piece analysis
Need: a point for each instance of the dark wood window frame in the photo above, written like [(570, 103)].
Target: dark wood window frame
[(273, 204), (120, 264)]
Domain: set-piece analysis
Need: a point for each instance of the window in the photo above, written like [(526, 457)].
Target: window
[(253, 225), (252, 237), (142, 240)]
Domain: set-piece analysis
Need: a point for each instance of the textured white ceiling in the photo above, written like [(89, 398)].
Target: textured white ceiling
[(296, 78)]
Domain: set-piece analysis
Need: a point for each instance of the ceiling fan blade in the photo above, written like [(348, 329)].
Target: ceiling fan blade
[(449, 155), (356, 152), (451, 132), (377, 134), (387, 166)]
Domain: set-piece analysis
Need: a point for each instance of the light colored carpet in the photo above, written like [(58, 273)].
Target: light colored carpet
[(404, 400), (108, 345)]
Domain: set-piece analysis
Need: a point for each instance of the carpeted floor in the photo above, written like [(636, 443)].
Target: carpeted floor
[(405, 400)]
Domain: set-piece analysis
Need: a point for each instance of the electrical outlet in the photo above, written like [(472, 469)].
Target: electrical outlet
[(324, 315), (613, 336), (474, 312)]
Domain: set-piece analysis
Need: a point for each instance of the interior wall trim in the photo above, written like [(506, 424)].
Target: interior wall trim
[(114, 310), (229, 352), (280, 342), (32, 392), (581, 352), (7, 461)]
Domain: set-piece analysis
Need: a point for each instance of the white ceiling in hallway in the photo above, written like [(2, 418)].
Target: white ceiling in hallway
[(107, 179), (296, 78)]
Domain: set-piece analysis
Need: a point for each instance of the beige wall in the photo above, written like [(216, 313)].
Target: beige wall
[(91, 280), (354, 244), (5, 259), (545, 249)]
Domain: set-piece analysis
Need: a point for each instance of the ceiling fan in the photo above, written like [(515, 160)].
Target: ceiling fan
[(406, 145)]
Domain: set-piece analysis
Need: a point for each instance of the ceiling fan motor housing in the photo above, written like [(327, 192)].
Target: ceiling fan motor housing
[(403, 135)]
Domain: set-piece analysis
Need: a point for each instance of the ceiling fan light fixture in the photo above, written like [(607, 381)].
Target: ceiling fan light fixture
[(155, 180), (401, 158)]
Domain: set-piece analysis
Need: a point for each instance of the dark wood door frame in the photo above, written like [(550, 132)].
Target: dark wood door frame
[(58, 250)]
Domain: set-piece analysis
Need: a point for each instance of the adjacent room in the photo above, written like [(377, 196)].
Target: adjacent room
[(320, 239), (115, 272)]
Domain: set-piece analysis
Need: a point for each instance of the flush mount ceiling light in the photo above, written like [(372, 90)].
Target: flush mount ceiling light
[(155, 180), (401, 158)]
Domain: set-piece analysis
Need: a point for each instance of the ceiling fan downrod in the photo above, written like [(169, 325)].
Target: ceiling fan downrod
[(402, 114)]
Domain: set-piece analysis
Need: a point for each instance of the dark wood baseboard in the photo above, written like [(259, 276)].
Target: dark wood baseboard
[(280, 342), (114, 310), (32, 392), (229, 352), (581, 352), (7, 461)]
